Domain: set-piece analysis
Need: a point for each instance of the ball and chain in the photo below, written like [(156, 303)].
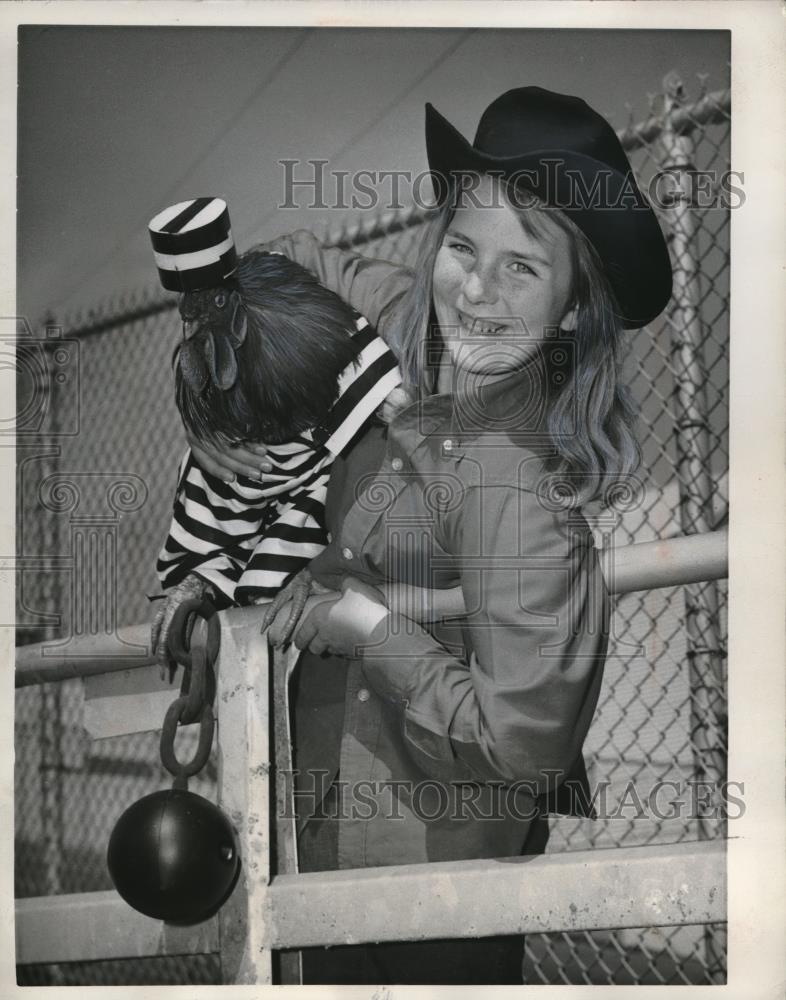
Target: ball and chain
[(173, 855)]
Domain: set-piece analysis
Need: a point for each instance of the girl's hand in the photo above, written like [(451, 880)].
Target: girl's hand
[(293, 597), (247, 459), (341, 624), (396, 400), (280, 632)]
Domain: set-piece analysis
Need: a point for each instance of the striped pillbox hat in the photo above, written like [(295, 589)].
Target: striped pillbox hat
[(192, 245)]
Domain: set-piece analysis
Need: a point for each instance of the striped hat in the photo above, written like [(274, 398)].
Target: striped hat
[(192, 245)]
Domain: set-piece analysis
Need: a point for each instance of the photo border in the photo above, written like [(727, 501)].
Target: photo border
[(757, 554)]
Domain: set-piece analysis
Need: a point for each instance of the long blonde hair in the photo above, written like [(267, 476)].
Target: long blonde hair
[(589, 420)]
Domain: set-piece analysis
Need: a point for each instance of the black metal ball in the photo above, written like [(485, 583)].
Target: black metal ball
[(173, 856)]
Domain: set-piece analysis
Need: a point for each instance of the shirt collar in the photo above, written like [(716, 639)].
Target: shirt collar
[(512, 409)]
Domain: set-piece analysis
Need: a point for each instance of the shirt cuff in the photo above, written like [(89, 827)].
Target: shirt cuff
[(391, 658)]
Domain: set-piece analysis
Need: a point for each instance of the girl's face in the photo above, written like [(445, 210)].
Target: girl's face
[(497, 289)]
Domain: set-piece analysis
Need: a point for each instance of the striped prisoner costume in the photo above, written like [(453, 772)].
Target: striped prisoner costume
[(247, 539)]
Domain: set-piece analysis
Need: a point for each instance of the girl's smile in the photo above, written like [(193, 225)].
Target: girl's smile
[(497, 288), (478, 325)]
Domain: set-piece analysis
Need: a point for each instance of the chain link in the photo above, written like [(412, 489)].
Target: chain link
[(198, 687), (180, 771)]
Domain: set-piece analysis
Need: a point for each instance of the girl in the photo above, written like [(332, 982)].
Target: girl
[(439, 742)]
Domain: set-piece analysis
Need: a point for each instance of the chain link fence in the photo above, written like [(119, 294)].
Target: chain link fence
[(99, 440)]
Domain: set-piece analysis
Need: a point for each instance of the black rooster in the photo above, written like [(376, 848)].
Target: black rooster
[(261, 355)]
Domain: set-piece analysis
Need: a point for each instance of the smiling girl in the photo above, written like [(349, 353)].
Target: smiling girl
[(461, 736)]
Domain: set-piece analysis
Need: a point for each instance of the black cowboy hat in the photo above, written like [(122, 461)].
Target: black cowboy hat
[(570, 157)]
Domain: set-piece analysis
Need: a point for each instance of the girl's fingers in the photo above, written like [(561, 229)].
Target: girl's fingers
[(250, 458), (229, 463), (313, 618), (306, 634), (278, 627), (278, 633), (396, 400), (213, 466)]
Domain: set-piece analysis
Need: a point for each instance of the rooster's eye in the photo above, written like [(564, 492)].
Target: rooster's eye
[(220, 300)]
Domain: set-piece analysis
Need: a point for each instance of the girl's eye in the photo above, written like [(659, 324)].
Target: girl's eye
[(220, 300), (520, 267), (460, 247)]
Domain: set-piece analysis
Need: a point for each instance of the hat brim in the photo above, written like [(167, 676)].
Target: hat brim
[(602, 201)]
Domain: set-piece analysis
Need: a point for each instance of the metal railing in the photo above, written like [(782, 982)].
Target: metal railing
[(628, 568), (650, 886), (662, 713)]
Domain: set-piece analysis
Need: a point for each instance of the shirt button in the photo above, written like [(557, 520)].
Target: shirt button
[(447, 445), (347, 553), (364, 694), (397, 465)]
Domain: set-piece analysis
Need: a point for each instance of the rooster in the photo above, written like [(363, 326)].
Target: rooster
[(261, 355), (267, 355)]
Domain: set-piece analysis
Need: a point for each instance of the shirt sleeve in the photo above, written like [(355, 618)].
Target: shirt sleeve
[(372, 287), (519, 707)]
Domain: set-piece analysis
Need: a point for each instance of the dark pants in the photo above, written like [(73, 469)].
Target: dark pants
[(469, 961)]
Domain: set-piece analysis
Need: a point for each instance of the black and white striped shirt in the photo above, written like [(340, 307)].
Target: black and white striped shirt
[(248, 539)]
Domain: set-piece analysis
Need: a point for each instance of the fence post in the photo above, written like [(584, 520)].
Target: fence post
[(36, 432), (242, 701), (53, 825), (289, 964), (705, 658), (51, 776)]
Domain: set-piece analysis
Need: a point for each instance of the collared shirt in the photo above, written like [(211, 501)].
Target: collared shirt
[(248, 538), (440, 739), (450, 733)]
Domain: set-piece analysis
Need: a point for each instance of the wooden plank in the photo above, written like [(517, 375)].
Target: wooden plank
[(646, 566), (290, 963), (668, 563), (653, 886), (92, 926), (130, 701), (61, 660), (658, 886), (242, 700)]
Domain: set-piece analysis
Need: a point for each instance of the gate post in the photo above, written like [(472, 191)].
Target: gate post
[(705, 659), (242, 701)]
